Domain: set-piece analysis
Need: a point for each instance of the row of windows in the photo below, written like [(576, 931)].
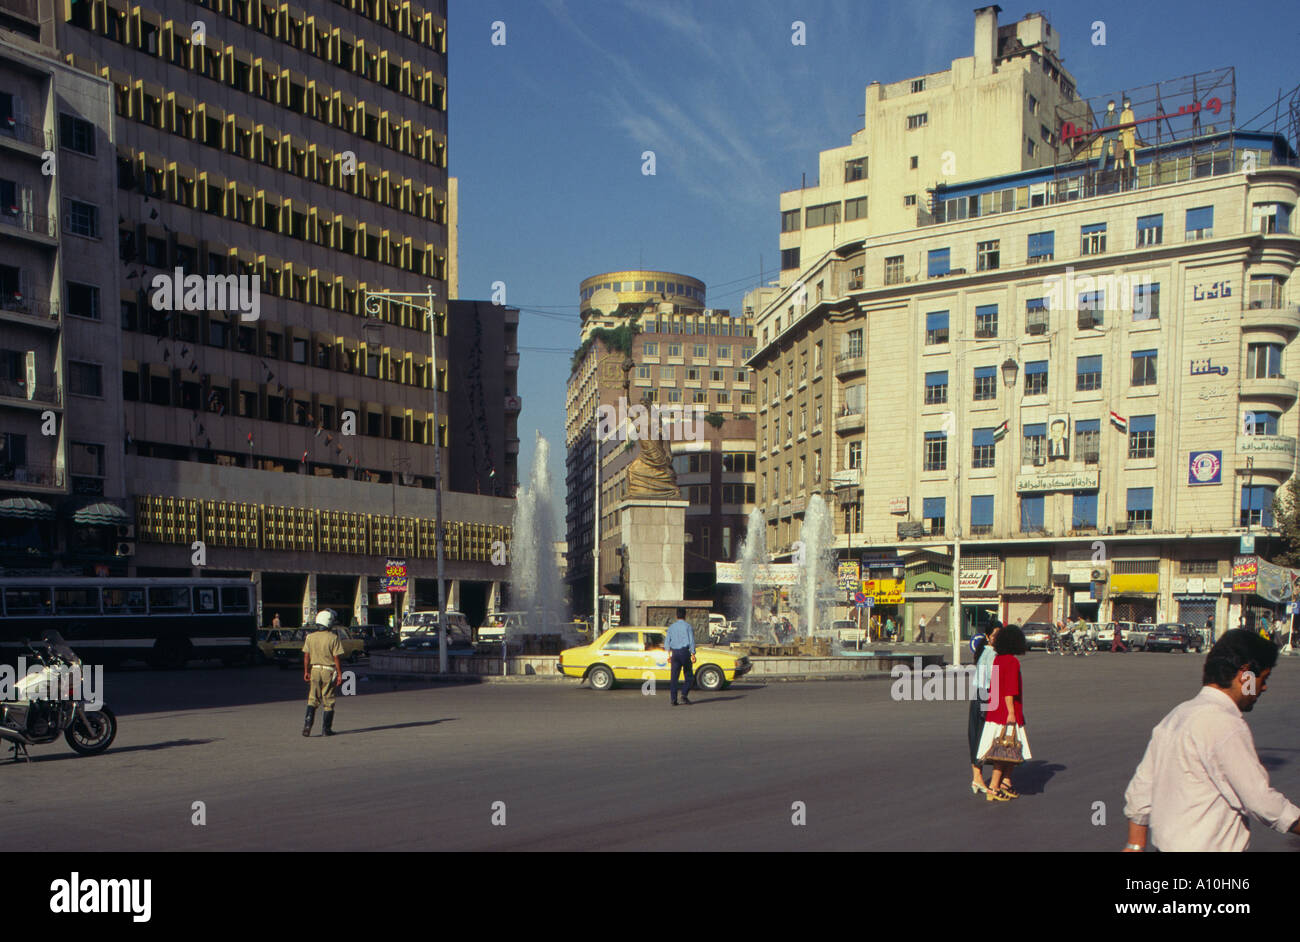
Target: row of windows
[(670, 288), (319, 40), (722, 327), (702, 462), (272, 150), (721, 397), (400, 135), (699, 351), (1256, 510), (1039, 443), (1263, 361), (293, 345), (693, 374), (826, 214), (159, 385), (791, 489), (268, 214)]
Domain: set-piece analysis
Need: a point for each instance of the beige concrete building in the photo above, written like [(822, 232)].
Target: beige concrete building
[(1091, 393), (1073, 362), (61, 466), (991, 112), (304, 148), (683, 356)]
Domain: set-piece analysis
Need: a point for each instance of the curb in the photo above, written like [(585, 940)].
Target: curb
[(471, 679)]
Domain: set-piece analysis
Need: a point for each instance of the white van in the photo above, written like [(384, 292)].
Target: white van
[(416, 623)]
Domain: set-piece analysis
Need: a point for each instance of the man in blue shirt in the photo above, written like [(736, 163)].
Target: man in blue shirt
[(681, 647)]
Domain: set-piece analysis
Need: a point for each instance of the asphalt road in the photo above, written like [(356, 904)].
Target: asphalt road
[(421, 768)]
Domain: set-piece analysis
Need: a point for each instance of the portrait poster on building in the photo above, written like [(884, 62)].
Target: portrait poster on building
[(1058, 436)]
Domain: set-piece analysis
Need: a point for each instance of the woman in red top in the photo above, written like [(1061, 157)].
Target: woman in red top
[(1006, 707)]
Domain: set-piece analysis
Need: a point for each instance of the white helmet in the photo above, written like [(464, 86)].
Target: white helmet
[(325, 619)]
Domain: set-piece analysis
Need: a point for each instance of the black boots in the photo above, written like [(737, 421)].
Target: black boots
[(327, 723), (309, 719)]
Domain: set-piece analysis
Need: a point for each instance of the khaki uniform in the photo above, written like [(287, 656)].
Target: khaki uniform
[(321, 647)]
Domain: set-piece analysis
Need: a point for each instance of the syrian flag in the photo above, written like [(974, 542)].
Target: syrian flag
[(1000, 432), (1119, 422)]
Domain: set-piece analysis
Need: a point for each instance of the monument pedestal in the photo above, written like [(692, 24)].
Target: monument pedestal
[(654, 546)]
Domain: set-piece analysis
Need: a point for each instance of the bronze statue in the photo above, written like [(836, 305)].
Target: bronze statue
[(651, 475)]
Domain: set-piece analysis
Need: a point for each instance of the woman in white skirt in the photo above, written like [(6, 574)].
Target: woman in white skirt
[(1006, 706)]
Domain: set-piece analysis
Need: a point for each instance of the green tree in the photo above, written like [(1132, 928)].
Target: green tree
[(1286, 518)]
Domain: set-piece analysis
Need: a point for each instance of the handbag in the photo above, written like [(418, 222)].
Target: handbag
[(1006, 748)]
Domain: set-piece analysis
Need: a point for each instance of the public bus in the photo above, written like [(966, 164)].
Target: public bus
[(162, 621)]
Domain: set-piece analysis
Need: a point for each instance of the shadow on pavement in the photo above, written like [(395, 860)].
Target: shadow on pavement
[(376, 729), (1032, 777), (114, 751), (715, 700)]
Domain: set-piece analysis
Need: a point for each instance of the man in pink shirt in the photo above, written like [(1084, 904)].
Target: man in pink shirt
[(1201, 779)]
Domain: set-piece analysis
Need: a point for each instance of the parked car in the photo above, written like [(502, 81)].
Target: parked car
[(422, 622), (375, 637), (1037, 634), (1137, 636), (427, 642), (1106, 633), (624, 654), (1175, 636), (289, 653), (268, 638)]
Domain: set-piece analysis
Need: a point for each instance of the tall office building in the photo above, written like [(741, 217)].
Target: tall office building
[(275, 164), (1079, 371), (61, 468), (679, 355)]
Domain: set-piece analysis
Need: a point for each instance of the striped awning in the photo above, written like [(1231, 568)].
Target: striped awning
[(102, 515), (26, 508)]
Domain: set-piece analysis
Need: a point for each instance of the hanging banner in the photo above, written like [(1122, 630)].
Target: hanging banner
[(769, 574), (1245, 573), (848, 575)]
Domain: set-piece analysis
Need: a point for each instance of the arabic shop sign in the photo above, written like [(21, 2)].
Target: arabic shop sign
[(884, 591), (1206, 367), (769, 574), (1058, 481), (848, 575), (1245, 573), (928, 580), (394, 577), (1266, 445), (977, 580), (1070, 130)]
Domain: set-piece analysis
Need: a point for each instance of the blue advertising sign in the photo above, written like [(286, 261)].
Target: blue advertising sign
[(1205, 467)]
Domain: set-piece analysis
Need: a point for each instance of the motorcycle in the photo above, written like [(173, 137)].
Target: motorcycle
[(49, 702)]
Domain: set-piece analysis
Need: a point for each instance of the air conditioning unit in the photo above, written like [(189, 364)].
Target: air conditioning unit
[(124, 549), (126, 532), (1098, 575), (1121, 526)]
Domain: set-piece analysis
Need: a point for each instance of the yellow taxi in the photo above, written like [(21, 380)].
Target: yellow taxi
[(625, 654)]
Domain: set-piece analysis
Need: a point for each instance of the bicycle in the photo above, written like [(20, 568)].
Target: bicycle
[(1087, 646), (1068, 644), (1053, 643)]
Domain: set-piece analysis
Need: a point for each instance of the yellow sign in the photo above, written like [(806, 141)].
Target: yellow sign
[(884, 591), (1134, 583)]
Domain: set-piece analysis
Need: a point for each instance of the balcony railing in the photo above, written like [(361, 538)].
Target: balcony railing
[(850, 363), (28, 222), (26, 133), (34, 306), (41, 392), (37, 475)]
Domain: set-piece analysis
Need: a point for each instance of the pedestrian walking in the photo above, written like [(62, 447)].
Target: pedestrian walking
[(681, 648), (1200, 778), (1006, 709), (322, 672), (889, 628), (1116, 641), (275, 622), (982, 646), (920, 629)]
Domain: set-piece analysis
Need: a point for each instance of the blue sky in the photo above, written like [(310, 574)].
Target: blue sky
[(546, 132)]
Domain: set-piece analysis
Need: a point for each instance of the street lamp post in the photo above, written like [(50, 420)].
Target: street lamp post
[(374, 301)]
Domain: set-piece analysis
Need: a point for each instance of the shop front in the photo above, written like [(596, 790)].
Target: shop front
[(928, 588), (1027, 590), (1261, 593), (1135, 590), (978, 582), (1083, 589), (882, 582)]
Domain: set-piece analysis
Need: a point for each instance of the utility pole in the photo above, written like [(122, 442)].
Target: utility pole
[(374, 301), (595, 547)]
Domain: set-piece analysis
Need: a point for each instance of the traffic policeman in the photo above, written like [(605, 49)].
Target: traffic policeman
[(322, 672)]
